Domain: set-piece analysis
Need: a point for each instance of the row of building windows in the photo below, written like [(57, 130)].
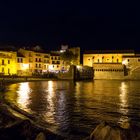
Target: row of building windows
[(55, 58), (45, 56), (3, 62), (2, 70), (20, 60), (130, 59), (55, 62), (118, 70), (98, 60), (56, 66), (38, 65)]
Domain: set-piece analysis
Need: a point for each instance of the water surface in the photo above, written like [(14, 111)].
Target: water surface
[(74, 109)]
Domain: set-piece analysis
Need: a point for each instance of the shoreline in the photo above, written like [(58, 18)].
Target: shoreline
[(18, 124)]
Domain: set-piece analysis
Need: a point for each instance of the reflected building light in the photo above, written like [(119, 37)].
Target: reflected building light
[(50, 86), (49, 116), (124, 120), (23, 95), (123, 94)]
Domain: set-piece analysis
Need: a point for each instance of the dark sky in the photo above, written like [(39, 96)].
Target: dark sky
[(99, 24)]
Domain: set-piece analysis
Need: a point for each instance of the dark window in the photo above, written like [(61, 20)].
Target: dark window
[(36, 65), (35, 59), (138, 60), (8, 61), (128, 60), (2, 70), (8, 71), (58, 62), (2, 62)]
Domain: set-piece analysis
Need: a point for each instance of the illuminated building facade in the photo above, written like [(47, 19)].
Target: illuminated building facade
[(36, 61), (55, 62), (112, 64), (8, 63)]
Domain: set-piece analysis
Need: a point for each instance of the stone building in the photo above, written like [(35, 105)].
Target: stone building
[(112, 64)]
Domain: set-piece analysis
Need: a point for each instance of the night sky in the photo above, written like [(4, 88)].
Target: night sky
[(90, 24)]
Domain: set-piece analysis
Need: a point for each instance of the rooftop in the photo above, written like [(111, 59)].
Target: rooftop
[(108, 51)]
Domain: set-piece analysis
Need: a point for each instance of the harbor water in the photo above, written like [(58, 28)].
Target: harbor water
[(74, 109)]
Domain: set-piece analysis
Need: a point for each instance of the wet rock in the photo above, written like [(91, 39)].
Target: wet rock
[(40, 136), (105, 131)]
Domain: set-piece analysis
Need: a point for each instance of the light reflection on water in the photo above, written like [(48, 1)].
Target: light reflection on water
[(74, 109), (124, 103)]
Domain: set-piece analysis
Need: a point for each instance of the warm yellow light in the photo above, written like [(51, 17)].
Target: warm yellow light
[(124, 120), (78, 67), (25, 66), (125, 62), (23, 95), (51, 67)]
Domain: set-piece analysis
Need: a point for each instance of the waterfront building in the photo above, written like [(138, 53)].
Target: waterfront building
[(55, 62), (132, 64), (112, 64), (8, 62), (36, 60)]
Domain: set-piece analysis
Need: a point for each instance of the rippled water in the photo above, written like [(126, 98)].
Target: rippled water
[(74, 109)]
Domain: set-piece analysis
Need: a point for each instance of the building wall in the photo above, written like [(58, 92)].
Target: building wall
[(133, 67), (8, 63), (38, 62), (55, 63), (113, 66), (89, 59)]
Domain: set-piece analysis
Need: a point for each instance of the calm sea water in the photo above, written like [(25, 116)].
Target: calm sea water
[(74, 109)]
